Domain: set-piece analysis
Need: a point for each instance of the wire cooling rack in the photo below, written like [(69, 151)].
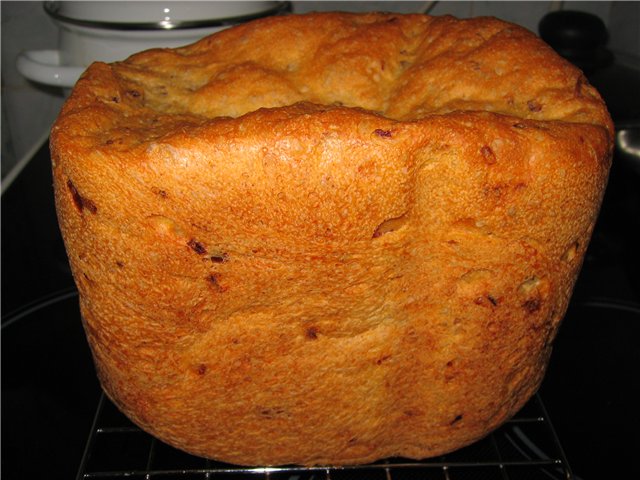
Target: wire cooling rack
[(525, 448)]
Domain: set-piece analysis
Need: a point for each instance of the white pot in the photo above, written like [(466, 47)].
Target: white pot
[(112, 31)]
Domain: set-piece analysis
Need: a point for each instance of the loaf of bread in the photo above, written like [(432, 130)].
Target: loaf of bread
[(329, 238)]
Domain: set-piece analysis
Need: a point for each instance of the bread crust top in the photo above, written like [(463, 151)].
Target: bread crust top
[(401, 67)]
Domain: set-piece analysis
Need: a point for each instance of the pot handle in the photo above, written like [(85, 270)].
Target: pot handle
[(43, 66)]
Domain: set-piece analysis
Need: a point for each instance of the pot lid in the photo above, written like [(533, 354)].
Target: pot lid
[(159, 15)]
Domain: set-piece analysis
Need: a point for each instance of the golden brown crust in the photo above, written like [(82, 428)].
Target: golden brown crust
[(375, 265)]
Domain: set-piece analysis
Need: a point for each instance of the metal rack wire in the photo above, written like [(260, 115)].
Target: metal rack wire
[(525, 448)]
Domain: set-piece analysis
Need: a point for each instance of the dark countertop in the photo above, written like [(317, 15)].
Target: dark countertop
[(49, 389)]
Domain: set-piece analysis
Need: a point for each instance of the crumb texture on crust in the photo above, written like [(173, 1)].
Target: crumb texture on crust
[(329, 238)]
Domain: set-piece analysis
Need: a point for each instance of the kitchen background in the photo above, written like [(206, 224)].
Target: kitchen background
[(28, 109), (49, 389)]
